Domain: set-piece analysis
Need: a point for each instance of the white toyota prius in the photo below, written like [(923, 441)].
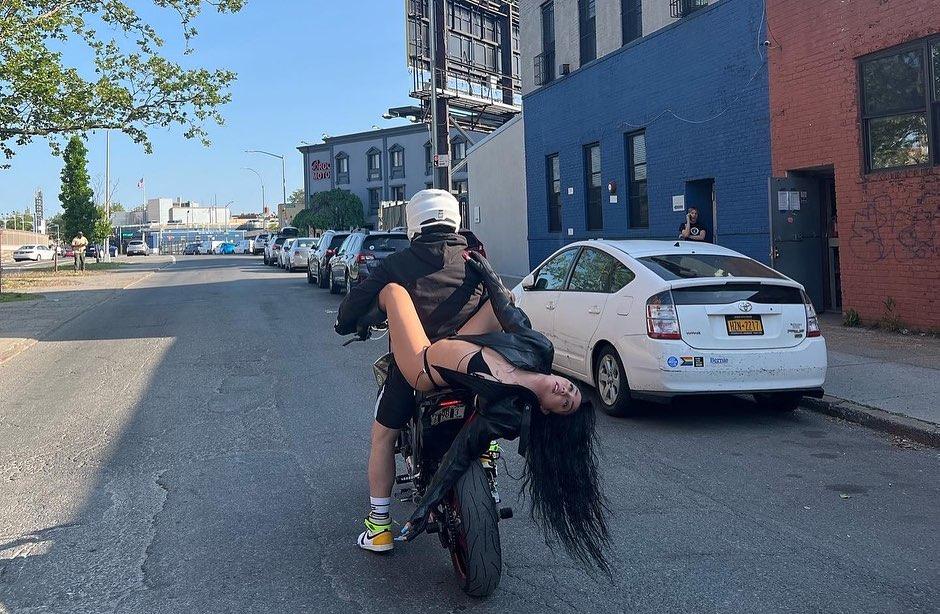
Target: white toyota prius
[(656, 319)]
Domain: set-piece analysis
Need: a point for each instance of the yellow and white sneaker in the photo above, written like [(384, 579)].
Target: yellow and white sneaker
[(377, 537)]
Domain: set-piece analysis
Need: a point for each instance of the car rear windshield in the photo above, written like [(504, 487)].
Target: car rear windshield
[(732, 292), (303, 242), (280, 240), (385, 243), (337, 240), (696, 266)]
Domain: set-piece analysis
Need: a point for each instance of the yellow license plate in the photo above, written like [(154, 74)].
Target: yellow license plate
[(744, 325)]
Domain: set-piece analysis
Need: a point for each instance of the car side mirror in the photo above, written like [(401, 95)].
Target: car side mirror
[(528, 282)]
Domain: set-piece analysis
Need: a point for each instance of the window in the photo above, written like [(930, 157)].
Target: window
[(553, 172), (342, 168), (546, 66), (587, 28), (458, 149), (428, 159), (901, 106), (459, 49), (374, 164), (375, 199), (554, 273), (459, 187), (396, 155), (398, 193), (592, 186), (639, 199), (631, 19), (706, 266), (596, 272)]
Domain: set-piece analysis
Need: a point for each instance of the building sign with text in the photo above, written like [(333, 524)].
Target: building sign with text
[(321, 170)]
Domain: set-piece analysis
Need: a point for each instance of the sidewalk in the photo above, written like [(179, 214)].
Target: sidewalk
[(883, 380), (23, 323)]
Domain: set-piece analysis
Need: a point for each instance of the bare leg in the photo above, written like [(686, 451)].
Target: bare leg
[(483, 321), (382, 461)]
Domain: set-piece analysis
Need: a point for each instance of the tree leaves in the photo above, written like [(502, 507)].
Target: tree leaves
[(79, 211), (133, 87)]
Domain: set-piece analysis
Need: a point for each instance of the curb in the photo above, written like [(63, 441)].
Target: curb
[(923, 432)]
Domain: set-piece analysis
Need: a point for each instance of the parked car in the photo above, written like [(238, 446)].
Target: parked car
[(208, 247), (136, 247), (318, 261), (33, 252), (225, 247), (92, 250), (359, 252), (258, 243), (272, 249), (191, 249), (245, 246), (297, 256), (655, 319), (284, 252), (68, 251)]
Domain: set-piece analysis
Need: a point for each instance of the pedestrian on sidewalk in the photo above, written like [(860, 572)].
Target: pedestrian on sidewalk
[(79, 243)]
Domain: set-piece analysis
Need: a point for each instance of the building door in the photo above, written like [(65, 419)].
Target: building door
[(701, 195), (799, 232)]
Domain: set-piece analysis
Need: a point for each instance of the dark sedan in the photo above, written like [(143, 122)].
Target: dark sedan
[(360, 252)]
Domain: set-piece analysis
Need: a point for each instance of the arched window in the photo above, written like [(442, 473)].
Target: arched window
[(374, 164), (396, 161), (342, 167)]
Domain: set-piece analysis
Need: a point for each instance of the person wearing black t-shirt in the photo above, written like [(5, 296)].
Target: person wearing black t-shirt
[(690, 230)]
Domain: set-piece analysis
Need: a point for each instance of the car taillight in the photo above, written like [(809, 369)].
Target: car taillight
[(364, 257), (812, 322), (662, 321), (329, 252)]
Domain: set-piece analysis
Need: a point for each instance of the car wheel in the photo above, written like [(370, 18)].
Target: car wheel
[(778, 401), (320, 281), (334, 289), (611, 382), (348, 284), (309, 277)]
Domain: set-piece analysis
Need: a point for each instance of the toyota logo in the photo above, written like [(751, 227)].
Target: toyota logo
[(745, 306)]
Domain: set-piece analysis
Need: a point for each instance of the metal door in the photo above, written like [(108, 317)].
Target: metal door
[(797, 241)]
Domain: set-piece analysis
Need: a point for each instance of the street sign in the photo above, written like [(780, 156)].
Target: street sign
[(442, 160)]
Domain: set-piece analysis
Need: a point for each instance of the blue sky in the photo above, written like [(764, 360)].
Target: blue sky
[(304, 68)]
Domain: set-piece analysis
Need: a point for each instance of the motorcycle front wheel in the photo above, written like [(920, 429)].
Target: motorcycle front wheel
[(475, 548)]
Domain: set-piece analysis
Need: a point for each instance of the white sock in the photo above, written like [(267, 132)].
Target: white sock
[(378, 507)]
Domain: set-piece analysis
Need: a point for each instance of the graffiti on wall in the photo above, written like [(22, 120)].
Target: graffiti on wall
[(888, 233)]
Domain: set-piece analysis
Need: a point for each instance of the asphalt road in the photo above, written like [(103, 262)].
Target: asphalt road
[(198, 444)]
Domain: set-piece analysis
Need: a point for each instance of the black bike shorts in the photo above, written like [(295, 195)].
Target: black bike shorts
[(396, 401)]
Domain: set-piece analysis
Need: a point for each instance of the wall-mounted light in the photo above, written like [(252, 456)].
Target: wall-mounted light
[(612, 188)]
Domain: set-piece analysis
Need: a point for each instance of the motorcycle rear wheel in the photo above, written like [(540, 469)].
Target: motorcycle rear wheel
[(475, 547)]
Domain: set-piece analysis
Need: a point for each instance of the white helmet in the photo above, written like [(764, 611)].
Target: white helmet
[(430, 208)]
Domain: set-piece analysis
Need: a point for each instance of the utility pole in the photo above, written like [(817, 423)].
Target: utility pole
[(440, 119), (107, 191)]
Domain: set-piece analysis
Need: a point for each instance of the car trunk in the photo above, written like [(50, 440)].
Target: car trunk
[(739, 314)]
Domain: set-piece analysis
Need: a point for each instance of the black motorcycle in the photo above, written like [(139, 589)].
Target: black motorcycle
[(466, 521)]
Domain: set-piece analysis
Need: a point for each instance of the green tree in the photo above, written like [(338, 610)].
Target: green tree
[(78, 209), (131, 86), (296, 197), (304, 220), (102, 228), (20, 221), (336, 209)]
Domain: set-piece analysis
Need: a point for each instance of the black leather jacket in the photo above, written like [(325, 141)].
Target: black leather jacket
[(446, 291)]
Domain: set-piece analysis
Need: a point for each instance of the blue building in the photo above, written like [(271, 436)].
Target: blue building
[(387, 165), (666, 111)]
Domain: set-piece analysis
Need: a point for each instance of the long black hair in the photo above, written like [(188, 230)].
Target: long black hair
[(561, 481)]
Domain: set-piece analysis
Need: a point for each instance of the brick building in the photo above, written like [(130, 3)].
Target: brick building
[(855, 127), (633, 113)]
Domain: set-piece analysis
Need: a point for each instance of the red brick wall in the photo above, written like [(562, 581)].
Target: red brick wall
[(888, 222)]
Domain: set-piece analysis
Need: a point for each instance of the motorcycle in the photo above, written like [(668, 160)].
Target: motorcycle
[(467, 519)]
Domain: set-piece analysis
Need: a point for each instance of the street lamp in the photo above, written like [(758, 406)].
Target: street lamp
[(247, 168), (283, 170)]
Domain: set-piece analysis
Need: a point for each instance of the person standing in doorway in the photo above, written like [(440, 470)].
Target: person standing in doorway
[(690, 230), (79, 243)]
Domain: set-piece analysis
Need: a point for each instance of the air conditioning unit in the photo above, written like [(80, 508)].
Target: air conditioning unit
[(565, 69)]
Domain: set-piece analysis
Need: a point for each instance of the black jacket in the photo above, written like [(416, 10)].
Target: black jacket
[(446, 291)]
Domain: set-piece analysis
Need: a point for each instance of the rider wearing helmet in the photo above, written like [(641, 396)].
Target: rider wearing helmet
[(446, 292)]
